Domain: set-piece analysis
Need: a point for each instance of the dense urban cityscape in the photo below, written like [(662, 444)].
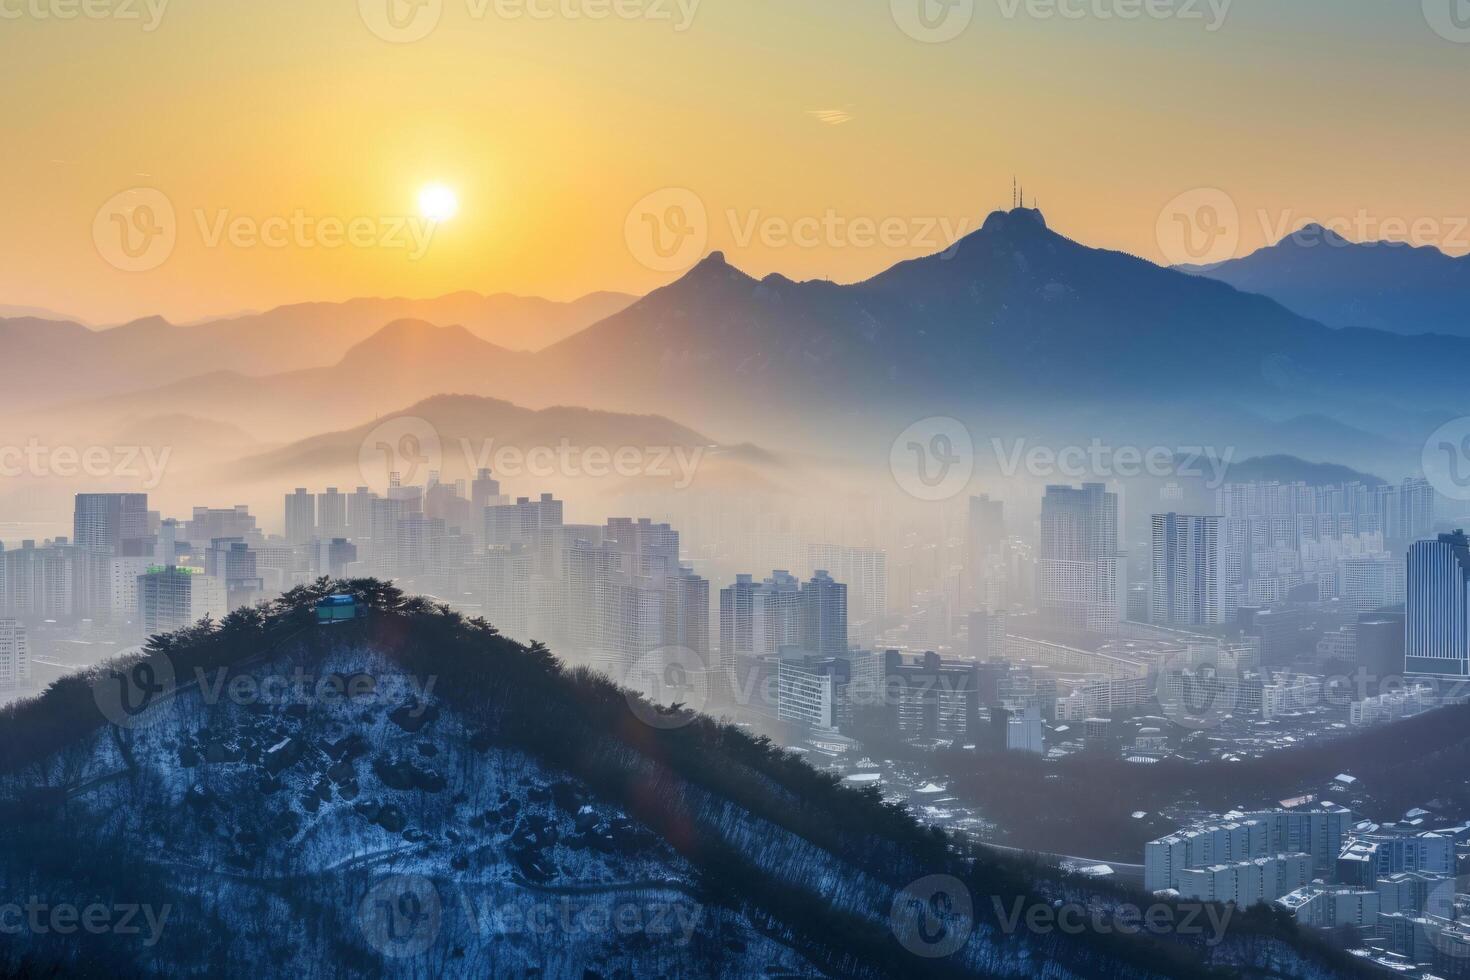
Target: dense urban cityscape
[(1292, 613), (620, 489)]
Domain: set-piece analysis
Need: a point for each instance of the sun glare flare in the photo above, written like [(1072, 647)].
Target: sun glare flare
[(438, 203)]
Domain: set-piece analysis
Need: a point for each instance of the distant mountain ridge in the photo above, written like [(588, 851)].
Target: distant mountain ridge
[(1381, 285), (151, 352), (1015, 328)]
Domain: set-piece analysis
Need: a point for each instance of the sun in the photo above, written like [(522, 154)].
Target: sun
[(438, 203)]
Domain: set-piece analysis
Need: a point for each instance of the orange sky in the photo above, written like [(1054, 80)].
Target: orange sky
[(289, 141)]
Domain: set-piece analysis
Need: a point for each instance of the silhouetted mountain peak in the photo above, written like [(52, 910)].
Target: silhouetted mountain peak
[(145, 324), (418, 340), (1016, 219)]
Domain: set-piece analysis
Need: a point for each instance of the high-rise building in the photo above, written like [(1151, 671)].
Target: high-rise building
[(300, 516), (331, 509), (1380, 644), (124, 592), (15, 656), (1185, 584), (208, 523), (360, 514), (1437, 607), (1080, 575), (172, 597), (865, 573), (985, 554), (824, 615), (231, 561), (113, 522), (759, 619), (499, 581), (931, 697), (56, 581), (485, 491), (627, 595)]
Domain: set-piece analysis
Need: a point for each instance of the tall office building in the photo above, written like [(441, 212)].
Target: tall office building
[(824, 615), (115, 522), (171, 598), (1185, 584), (1079, 567), (208, 523), (985, 554), (360, 514), (15, 656), (57, 581), (627, 595), (485, 491), (1437, 608), (1380, 644), (499, 581), (300, 516), (865, 573), (759, 618), (331, 510), (231, 561)]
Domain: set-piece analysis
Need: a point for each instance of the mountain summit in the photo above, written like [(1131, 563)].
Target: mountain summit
[(1384, 285)]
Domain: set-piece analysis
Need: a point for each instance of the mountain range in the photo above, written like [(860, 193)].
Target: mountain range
[(1015, 330), (78, 361), (1383, 285)]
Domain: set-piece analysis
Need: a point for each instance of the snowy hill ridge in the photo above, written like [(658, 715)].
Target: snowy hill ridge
[(411, 794)]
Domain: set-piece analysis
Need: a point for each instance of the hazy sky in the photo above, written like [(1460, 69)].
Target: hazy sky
[(552, 119)]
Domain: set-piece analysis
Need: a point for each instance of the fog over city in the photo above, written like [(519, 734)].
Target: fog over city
[(692, 489)]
